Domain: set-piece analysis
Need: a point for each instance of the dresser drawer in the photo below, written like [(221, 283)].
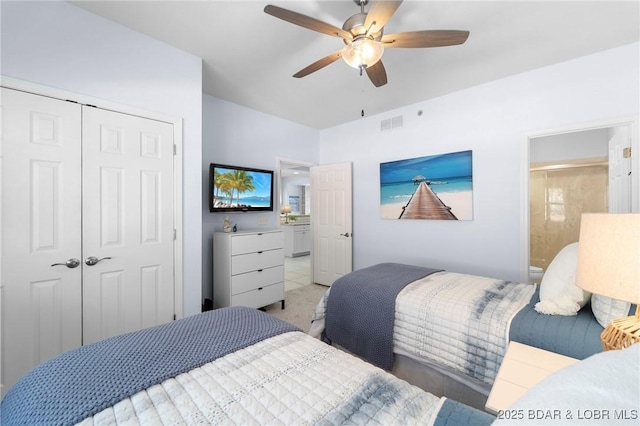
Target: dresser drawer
[(252, 280), (259, 297), (256, 242), (244, 263)]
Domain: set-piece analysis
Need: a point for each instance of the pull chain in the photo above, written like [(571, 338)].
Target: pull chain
[(362, 100)]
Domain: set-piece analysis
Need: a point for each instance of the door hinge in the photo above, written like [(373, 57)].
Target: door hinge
[(175, 235), (174, 317), (175, 149), (626, 153)]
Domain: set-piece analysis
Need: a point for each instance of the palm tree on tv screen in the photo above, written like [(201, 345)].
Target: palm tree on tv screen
[(241, 181), (232, 183), (223, 184)]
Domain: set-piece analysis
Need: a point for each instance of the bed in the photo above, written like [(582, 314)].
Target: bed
[(443, 331), (228, 366)]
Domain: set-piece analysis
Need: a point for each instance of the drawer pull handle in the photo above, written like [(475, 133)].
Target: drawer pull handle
[(259, 252), (259, 288), (259, 270)]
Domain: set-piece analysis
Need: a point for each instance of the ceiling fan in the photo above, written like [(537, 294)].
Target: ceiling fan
[(364, 39)]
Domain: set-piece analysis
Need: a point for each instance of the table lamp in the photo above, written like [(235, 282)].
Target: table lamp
[(286, 210), (609, 265)]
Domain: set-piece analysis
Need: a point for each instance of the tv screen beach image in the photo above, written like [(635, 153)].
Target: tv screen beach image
[(238, 188), (436, 187)]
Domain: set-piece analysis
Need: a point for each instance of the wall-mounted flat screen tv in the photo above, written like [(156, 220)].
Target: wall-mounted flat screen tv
[(240, 189)]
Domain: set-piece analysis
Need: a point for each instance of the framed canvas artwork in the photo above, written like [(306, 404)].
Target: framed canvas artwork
[(437, 187)]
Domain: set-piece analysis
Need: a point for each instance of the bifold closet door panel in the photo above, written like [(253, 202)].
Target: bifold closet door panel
[(87, 227), (128, 223), (41, 216)]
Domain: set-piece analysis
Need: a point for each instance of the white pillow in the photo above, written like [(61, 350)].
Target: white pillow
[(606, 309), (559, 294)]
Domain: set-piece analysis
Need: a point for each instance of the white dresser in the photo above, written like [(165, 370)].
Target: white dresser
[(248, 268)]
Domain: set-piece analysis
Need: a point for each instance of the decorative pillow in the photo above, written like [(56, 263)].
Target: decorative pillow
[(606, 309), (559, 294)]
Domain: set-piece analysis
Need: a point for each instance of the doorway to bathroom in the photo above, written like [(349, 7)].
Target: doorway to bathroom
[(573, 172)]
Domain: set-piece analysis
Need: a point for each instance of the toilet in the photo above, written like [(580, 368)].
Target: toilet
[(535, 274)]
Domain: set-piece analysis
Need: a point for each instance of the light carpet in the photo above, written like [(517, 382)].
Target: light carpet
[(300, 304)]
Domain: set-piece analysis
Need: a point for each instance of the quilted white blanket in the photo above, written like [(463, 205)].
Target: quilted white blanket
[(457, 321), (287, 379)]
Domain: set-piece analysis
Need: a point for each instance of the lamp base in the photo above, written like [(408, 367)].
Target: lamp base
[(622, 332)]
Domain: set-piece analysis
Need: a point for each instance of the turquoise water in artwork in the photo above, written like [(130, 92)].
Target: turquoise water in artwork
[(450, 172), (401, 192)]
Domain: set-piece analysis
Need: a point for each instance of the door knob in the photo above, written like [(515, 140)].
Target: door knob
[(92, 260), (346, 234), (71, 263)]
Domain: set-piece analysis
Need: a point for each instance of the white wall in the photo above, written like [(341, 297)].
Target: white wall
[(235, 135), (492, 120), (56, 44), (570, 146)]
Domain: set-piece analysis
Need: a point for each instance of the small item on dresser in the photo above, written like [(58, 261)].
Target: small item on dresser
[(235, 228), (227, 224)]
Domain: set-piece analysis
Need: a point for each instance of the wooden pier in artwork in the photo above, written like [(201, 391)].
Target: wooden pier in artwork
[(425, 204)]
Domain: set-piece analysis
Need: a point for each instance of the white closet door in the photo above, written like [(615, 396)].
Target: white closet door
[(41, 213), (128, 222)]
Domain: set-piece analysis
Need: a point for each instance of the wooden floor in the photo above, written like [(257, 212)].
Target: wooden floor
[(425, 204)]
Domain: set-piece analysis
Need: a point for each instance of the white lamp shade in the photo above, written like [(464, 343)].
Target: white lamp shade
[(362, 52), (609, 255), (286, 209)]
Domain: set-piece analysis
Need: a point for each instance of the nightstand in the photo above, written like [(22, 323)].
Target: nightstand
[(522, 367)]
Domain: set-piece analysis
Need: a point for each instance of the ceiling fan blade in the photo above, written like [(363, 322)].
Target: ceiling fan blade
[(329, 59), (426, 38), (379, 13), (307, 22), (377, 74)]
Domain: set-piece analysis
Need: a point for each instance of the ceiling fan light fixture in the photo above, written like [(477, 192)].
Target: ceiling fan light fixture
[(362, 53), (363, 37)]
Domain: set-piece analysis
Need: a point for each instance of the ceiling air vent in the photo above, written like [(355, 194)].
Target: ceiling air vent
[(391, 123)]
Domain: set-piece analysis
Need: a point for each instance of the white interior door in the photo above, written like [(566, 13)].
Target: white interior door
[(128, 223), (620, 170), (41, 213), (331, 195)]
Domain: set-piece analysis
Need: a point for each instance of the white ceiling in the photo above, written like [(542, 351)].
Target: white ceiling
[(249, 57)]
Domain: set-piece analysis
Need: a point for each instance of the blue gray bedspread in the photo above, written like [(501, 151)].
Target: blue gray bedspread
[(576, 336), (353, 324), (454, 413), (84, 381)]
